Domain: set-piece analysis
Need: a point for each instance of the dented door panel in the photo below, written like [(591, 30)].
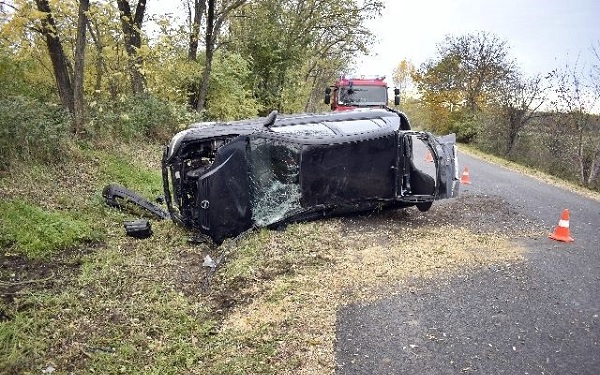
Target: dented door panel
[(349, 172)]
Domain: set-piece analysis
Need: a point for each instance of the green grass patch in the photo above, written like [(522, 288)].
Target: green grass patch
[(121, 170), (50, 208), (37, 233)]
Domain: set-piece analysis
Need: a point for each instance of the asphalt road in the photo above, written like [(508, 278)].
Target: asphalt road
[(540, 316)]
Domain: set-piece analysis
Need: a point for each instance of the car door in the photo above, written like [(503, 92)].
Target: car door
[(416, 184)]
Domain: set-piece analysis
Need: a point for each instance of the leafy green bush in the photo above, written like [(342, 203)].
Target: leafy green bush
[(230, 94), (138, 118), (466, 128), (31, 131), (24, 77), (228, 98)]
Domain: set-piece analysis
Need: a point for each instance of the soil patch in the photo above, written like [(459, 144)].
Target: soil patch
[(20, 275)]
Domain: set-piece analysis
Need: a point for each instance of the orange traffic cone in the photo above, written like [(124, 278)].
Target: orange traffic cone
[(561, 232), (428, 157), (465, 179)]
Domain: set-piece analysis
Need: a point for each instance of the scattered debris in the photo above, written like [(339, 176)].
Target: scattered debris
[(122, 198), (212, 264), (140, 228), (209, 262)]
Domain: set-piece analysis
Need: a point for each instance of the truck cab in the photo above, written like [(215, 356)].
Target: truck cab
[(350, 92)]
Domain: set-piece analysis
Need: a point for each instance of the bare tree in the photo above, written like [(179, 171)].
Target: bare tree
[(595, 74), (575, 103), (520, 101)]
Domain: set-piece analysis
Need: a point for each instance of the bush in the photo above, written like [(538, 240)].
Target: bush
[(138, 118), (32, 131), (466, 127), (24, 77)]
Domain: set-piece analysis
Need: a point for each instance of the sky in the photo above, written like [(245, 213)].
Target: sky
[(542, 35)]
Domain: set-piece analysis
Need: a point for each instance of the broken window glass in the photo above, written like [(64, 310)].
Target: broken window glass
[(274, 180)]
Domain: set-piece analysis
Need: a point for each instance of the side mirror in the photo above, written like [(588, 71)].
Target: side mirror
[(396, 96), (327, 95)]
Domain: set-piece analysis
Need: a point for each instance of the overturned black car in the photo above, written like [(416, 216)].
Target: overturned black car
[(224, 178)]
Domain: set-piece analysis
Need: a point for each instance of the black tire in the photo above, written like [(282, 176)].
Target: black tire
[(424, 207)]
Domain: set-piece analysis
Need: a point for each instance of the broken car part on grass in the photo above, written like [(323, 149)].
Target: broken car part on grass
[(225, 178), (122, 198)]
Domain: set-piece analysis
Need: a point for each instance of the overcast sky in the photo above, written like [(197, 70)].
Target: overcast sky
[(542, 34)]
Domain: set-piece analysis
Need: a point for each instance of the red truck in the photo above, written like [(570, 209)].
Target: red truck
[(351, 92)]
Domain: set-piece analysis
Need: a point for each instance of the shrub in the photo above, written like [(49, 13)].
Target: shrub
[(466, 127), (138, 118), (31, 131), (24, 77)]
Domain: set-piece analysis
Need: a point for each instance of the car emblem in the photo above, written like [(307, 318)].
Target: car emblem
[(204, 204)]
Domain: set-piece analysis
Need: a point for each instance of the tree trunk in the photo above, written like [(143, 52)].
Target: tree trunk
[(194, 89), (78, 99), (199, 8), (132, 25), (99, 59), (516, 122), (594, 169), (60, 64), (213, 25), (210, 46), (581, 157)]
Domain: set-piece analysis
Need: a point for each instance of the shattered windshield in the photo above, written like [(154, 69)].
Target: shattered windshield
[(363, 95), (275, 180)]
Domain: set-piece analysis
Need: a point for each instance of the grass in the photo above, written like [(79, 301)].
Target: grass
[(121, 305), (47, 209), (36, 233)]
